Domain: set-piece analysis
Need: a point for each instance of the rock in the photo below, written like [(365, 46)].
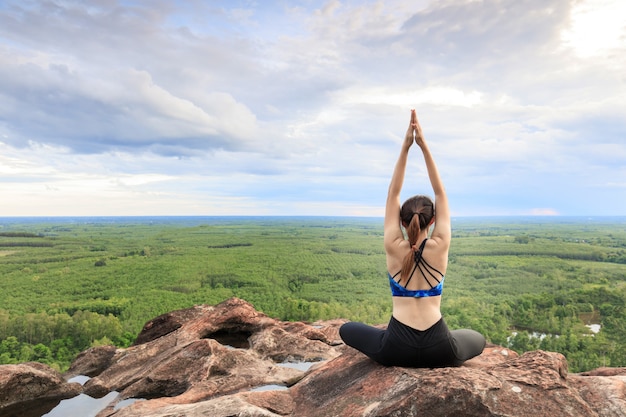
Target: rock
[(92, 362), (32, 389), (532, 384), (295, 344), (167, 323), (229, 360), (330, 329), (605, 372), (352, 385), (492, 355), (346, 383), (202, 353), (249, 404), (604, 394)]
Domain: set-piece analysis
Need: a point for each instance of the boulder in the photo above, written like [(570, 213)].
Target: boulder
[(32, 389), (346, 383), (204, 352), (231, 360), (494, 384), (167, 323), (92, 362), (532, 384)]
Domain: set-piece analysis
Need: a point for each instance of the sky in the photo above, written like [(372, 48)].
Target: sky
[(154, 107)]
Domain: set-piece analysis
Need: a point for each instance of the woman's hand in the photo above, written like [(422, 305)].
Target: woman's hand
[(419, 135), (410, 132)]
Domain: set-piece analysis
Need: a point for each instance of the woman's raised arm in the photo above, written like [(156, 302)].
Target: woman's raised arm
[(442, 233), (392, 232)]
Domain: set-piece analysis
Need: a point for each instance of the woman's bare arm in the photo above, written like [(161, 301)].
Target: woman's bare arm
[(442, 232), (392, 232)]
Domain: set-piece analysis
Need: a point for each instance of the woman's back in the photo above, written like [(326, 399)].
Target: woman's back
[(417, 298)]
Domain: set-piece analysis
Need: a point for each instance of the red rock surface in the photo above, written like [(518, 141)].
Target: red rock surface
[(32, 389), (209, 360)]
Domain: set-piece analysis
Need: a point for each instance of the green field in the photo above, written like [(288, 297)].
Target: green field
[(67, 284)]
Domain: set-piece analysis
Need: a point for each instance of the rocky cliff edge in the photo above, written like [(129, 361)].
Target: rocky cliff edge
[(231, 360)]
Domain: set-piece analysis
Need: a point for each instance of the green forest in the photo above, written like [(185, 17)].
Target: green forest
[(525, 283)]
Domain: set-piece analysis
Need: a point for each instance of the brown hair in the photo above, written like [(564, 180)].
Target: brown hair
[(416, 214)]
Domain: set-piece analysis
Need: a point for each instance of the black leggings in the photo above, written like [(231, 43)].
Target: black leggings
[(401, 345)]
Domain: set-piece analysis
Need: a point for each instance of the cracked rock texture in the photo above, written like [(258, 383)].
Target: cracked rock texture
[(231, 360)]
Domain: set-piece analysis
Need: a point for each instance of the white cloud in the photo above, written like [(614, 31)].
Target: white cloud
[(597, 26), (408, 98), (300, 109)]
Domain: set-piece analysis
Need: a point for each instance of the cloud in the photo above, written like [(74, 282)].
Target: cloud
[(299, 108), (596, 26), (88, 112)]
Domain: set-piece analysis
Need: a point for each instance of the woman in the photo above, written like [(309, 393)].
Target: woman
[(417, 335)]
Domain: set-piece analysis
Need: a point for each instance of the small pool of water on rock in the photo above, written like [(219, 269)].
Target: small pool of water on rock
[(301, 366), (85, 406), (127, 401), (270, 387), (81, 379), (81, 406)]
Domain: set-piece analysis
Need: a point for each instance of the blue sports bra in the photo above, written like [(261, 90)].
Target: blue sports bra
[(398, 290)]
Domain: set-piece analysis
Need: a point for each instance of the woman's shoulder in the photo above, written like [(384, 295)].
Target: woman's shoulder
[(438, 243), (395, 255), (395, 243)]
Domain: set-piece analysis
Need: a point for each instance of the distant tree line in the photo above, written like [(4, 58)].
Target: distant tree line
[(19, 234), (229, 245), (26, 244), (55, 339)]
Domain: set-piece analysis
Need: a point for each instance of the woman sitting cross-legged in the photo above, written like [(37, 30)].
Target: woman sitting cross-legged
[(417, 335)]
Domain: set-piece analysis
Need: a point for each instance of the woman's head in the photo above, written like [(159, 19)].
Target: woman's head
[(417, 213), (419, 208)]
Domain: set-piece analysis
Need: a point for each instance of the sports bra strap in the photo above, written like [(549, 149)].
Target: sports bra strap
[(423, 267)]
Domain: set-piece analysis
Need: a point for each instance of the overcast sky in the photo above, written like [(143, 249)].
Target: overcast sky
[(152, 107)]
